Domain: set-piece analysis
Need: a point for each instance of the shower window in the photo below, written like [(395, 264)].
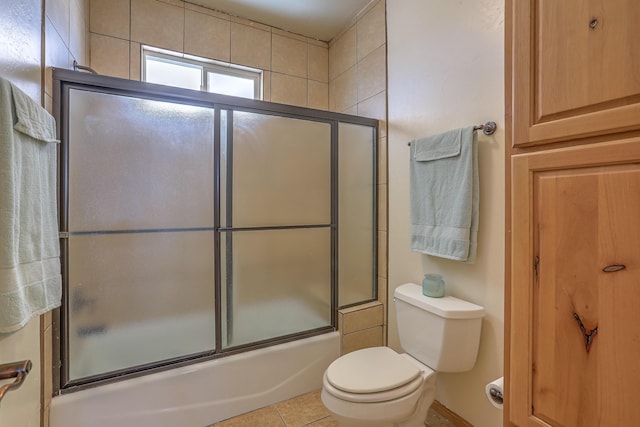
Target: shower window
[(192, 229), (191, 72)]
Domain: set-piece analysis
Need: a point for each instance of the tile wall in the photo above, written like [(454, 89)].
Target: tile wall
[(358, 85), (295, 68)]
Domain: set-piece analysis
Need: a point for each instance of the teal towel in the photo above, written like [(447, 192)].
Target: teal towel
[(30, 281), (445, 195)]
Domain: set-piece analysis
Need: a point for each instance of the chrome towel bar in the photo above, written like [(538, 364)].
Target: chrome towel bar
[(17, 370), (488, 128)]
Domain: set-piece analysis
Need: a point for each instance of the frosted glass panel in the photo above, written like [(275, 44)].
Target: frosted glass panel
[(280, 280), (137, 298), (356, 213), (281, 171), (138, 163)]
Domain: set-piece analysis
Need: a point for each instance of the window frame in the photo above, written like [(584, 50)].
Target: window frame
[(207, 66)]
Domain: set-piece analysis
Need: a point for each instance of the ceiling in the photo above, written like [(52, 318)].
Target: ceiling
[(319, 19)]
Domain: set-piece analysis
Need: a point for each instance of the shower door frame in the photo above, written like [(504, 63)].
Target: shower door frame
[(63, 81)]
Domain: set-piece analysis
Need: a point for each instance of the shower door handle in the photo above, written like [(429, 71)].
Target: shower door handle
[(17, 370)]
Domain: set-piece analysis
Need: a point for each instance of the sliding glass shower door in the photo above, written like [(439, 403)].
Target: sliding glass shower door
[(276, 228), (140, 229), (196, 225)]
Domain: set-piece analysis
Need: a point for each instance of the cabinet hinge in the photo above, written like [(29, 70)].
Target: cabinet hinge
[(536, 267)]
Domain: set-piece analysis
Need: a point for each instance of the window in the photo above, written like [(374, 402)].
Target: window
[(189, 72)]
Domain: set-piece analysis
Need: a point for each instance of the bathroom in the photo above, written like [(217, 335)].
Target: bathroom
[(439, 66)]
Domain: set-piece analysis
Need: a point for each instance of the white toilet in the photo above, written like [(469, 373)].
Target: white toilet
[(377, 387)]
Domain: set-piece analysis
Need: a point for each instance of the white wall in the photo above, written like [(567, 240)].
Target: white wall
[(445, 70)]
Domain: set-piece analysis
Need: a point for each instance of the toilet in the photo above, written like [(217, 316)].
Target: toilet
[(377, 387)]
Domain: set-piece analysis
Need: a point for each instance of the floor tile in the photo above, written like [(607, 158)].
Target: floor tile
[(325, 422), (302, 410), (265, 417)]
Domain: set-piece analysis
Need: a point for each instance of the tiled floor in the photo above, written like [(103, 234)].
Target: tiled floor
[(305, 410)]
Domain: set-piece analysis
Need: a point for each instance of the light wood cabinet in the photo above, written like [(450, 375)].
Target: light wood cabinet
[(575, 67), (576, 264), (572, 294)]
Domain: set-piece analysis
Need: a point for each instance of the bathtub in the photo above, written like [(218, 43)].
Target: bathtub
[(201, 394)]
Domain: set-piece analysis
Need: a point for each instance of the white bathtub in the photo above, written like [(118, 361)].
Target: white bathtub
[(201, 394)]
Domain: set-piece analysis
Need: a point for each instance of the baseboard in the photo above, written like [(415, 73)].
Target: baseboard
[(447, 413)]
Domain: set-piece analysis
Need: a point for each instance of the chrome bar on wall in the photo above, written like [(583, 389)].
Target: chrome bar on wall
[(17, 370), (488, 128)]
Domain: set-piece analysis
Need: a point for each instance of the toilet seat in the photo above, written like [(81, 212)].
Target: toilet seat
[(376, 374)]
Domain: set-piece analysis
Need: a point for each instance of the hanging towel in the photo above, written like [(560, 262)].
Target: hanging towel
[(445, 195), (30, 281)]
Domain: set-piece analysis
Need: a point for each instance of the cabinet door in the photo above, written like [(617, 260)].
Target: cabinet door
[(575, 314), (575, 69)]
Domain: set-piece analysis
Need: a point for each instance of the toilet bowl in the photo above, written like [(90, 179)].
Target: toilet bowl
[(378, 387)]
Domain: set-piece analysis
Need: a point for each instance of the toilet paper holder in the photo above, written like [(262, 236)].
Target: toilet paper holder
[(496, 395)]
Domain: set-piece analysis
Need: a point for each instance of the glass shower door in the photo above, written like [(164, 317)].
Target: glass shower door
[(276, 228), (140, 229)]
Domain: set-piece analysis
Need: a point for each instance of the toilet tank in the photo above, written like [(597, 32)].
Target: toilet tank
[(443, 333)]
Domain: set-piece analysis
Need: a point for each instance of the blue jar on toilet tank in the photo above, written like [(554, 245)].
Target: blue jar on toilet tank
[(433, 286)]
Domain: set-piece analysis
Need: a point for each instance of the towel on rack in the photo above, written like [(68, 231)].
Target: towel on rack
[(30, 281), (445, 195)]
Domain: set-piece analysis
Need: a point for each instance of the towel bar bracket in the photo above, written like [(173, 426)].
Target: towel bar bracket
[(488, 128), (17, 370)]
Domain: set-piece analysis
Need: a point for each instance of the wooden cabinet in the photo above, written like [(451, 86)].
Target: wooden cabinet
[(575, 67), (576, 264), (572, 295)]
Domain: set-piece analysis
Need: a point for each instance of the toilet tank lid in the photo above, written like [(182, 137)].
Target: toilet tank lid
[(448, 307)]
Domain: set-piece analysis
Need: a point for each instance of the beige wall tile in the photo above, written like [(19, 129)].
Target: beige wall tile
[(382, 207), (178, 3), (58, 12), (266, 85), (372, 74), (382, 254), (318, 43), (371, 32), (342, 53), (353, 110), (362, 339), (110, 56), (110, 17), (135, 58), (288, 34), (249, 23), (78, 31), (382, 160), (157, 23), (318, 95), (289, 90), (362, 319), (206, 11), (250, 46), (318, 63), (374, 107), (289, 56), (384, 298), (207, 36), (344, 91)]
